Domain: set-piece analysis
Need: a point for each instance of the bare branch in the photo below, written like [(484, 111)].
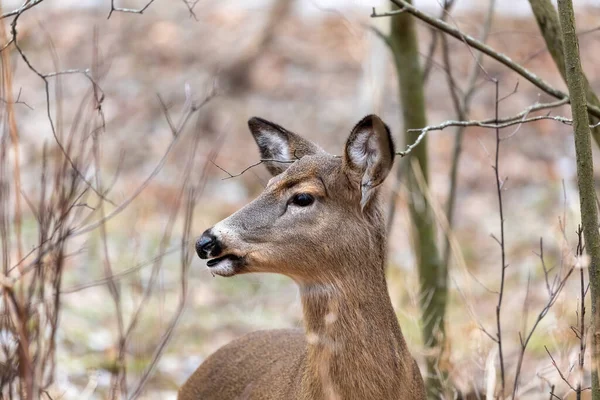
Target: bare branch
[(120, 275), (462, 107), (554, 292), (127, 10), (502, 58), (375, 14), (496, 168), (45, 77), (562, 376), (26, 6), (17, 101), (518, 119), (490, 125), (191, 4)]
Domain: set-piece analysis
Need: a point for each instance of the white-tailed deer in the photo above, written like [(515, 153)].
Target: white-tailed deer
[(318, 222)]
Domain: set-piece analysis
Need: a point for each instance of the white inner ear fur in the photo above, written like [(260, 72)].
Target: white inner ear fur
[(277, 146), (362, 149)]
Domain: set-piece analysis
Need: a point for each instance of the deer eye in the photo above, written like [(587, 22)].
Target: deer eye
[(302, 199)]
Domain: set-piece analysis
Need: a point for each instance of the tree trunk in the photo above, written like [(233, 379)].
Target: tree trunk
[(433, 277), (585, 171)]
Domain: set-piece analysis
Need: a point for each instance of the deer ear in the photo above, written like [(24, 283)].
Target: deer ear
[(276, 143), (369, 155)]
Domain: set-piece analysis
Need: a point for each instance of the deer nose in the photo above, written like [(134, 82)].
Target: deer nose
[(208, 245)]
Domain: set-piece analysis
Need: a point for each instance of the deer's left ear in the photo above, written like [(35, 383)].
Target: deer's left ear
[(369, 155)]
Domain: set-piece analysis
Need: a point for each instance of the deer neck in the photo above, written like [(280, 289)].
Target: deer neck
[(355, 345)]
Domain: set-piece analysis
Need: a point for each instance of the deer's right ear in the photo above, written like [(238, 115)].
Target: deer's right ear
[(369, 155), (276, 143)]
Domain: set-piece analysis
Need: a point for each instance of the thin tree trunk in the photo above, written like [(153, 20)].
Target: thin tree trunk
[(585, 171), (433, 276), (547, 19)]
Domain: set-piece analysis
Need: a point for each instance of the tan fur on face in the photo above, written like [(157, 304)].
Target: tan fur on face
[(306, 184)]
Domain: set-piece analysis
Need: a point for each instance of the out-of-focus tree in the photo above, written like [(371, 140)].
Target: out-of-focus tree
[(432, 274)]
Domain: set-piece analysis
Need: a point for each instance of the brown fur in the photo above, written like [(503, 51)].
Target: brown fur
[(352, 346)]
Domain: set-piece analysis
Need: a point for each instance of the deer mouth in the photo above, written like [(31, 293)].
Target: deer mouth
[(227, 265)]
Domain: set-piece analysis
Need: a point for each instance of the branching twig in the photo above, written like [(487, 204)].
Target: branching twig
[(562, 376), (119, 275), (17, 101), (45, 77), (489, 124), (26, 6), (191, 4), (127, 10)]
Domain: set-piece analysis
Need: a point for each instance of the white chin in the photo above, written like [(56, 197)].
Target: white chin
[(223, 268)]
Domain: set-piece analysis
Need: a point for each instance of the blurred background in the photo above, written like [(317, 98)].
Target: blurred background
[(157, 127)]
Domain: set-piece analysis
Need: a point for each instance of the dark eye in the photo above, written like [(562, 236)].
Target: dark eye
[(302, 199)]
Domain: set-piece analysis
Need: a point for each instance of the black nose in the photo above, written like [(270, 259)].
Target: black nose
[(208, 245)]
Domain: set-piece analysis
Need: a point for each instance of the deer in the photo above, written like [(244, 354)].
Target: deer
[(319, 222)]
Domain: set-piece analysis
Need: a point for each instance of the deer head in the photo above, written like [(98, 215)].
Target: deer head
[(317, 215)]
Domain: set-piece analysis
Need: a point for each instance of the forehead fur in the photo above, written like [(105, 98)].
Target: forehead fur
[(317, 165)]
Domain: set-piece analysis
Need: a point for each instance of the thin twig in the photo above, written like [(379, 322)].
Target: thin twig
[(17, 101), (191, 4), (26, 6), (499, 184), (446, 7), (562, 376), (251, 166), (581, 335), (553, 292), (119, 275), (127, 10), (489, 125), (462, 108), (45, 77)]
